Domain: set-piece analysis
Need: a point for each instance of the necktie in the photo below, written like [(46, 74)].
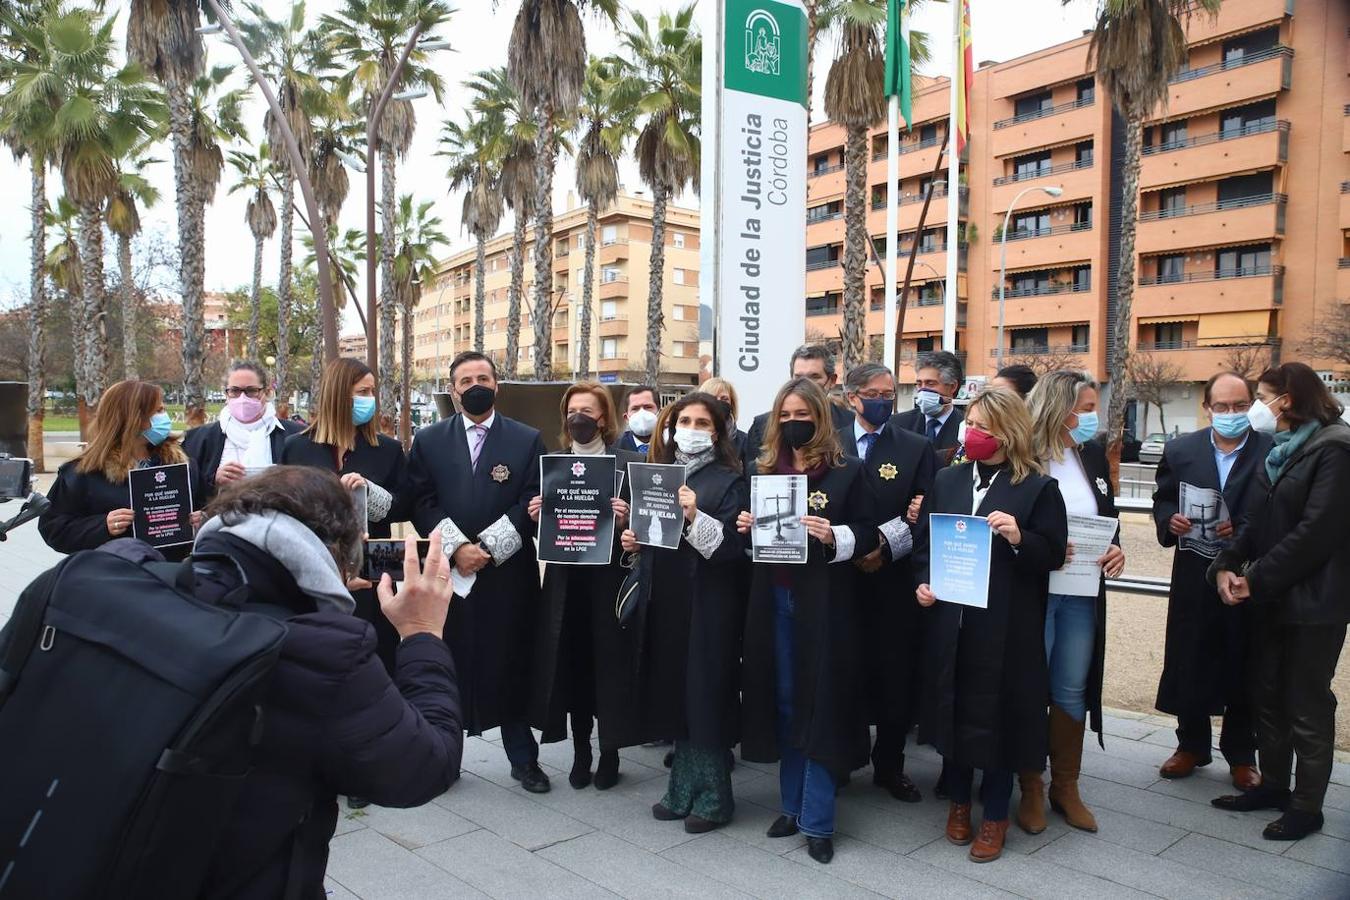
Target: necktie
[(476, 445), (865, 443), (642, 448), (934, 426)]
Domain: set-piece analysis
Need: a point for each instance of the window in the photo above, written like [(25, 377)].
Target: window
[(1241, 189), (925, 344), (609, 234), (677, 276), (930, 242), (609, 309), (1248, 119), (1079, 339), (1082, 154), (1032, 224), (824, 211), (1033, 104), (609, 348), (1172, 134), (1030, 340), (822, 257), (1171, 202), (1082, 217), (1031, 165), (879, 244), (1236, 50), (609, 275), (1171, 268), (879, 195), (1082, 278), (1167, 336), (1028, 283), (1087, 91), (823, 304), (677, 240), (820, 162), (879, 144), (930, 293), (677, 313), (1242, 261), (928, 134)]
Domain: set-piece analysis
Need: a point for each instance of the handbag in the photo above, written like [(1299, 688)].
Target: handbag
[(633, 592)]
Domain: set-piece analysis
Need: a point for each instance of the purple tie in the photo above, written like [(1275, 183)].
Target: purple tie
[(479, 435)]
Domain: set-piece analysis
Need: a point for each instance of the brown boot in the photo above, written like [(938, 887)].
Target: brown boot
[(989, 845), (1066, 759), (958, 824), (1031, 810)]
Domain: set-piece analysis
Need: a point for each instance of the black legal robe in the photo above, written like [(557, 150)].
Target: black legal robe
[(205, 445), (383, 464), (754, 438)]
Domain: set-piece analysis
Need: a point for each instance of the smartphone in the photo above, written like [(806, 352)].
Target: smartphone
[(386, 555), (16, 477)]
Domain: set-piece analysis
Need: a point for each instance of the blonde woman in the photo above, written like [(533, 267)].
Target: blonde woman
[(985, 706), (725, 392)]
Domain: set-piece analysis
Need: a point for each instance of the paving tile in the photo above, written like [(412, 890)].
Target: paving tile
[(1322, 850), (488, 761), (1338, 797), (1133, 729), (335, 891), (349, 819), (1142, 871), (873, 869), (624, 811), (417, 827), (509, 814), (751, 822), (630, 871), (897, 829), (1282, 874), (759, 873), (1122, 771), (500, 869), (1026, 876), (1340, 773), (1158, 807), (373, 867)]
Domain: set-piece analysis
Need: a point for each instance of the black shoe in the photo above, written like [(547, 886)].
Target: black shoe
[(607, 773), (899, 785), (531, 778), (1262, 797), (939, 791), (357, 802), (669, 759), (820, 849), (1294, 825), (783, 826), (699, 825), (580, 776), (663, 813)]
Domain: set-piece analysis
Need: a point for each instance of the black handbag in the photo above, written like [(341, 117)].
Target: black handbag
[(633, 592)]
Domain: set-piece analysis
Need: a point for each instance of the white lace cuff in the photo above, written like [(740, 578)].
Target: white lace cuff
[(501, 539), (843, 543), (898, 537), (451, 537), (378, 502), (704, 534)]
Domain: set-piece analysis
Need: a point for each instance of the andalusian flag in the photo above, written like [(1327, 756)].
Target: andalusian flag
[(965, 74), (897, 58)]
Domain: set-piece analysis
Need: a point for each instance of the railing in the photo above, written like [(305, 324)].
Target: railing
[(1343, 262), (1040, 350), (1043, 172), (823, 264), (1044, 111), (837, 167), (1235, 341), (616, 317), (1246, 59), (1022, 234), (813, 219), (1212, 275), (823, 311), (1218, 206), (1227, 134), (963, 193), (1345, 187), (907, 147), (1068, 287)]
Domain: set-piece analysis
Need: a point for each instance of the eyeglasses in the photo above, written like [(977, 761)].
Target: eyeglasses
[(876, 395), (252, 393), (1242, 407)]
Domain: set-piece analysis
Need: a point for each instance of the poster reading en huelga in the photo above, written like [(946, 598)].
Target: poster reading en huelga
[(576, 521), (656, 517), (778, 503), (161, 505)]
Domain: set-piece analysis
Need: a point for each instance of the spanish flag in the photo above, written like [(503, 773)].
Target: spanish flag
[(965, 74)]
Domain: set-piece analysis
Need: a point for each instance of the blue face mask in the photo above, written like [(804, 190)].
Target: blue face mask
[(160, 426), (930, 403), (1086, 429), (363, 410), (877, 412), (1231, 424)]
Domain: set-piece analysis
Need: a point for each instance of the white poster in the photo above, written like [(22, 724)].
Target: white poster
[(1207, 511)]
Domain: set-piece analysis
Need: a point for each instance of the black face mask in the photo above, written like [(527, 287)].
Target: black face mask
[(582, 428), (477, 399), (726, 412), (797, 433)]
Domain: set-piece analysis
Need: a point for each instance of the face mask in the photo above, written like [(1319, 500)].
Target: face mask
[(1231, 424), (1262, 418), (642, 423), (797, 433), (582, 428), (363, 410), (930, 403), (981, 445), (692, 441), (877, 412), (160, 426), (961, 432), (477, 400), (246, 409), (1086, 429)]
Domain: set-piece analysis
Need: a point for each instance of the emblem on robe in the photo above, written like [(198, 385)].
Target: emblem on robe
[(817, 500), (887, 472), (1101, 486), (500, 473)]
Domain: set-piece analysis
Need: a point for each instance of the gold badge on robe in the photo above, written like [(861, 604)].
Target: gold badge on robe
[(817, 500), (887, 472), (500, 473)]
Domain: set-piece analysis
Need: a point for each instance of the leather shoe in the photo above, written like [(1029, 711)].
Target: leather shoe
[(607, 772), (989, 845), (357, 803), (1183, 764), (531, 778), (699, 825), (663, 813), (1294, 825), (1245, 778), (820, 849), (1263, 797), (958, 824), (783, 826), (898, 785)]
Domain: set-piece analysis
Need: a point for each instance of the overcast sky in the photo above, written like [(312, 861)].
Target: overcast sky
[(1001, 29)]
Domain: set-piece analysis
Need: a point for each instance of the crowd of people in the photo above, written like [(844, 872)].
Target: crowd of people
[(792, 664)]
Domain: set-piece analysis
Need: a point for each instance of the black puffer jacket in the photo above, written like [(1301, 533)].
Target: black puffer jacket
[(1292, 539), (334, 724)]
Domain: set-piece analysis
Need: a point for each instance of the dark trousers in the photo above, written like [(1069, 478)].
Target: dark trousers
[(995, 789), (888, 752), (1237, 740), (519, 743), (1294, 708)]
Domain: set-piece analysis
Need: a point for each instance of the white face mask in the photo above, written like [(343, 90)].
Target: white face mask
[(961, 432), (642, 423), (1261, 418), (692, 441)]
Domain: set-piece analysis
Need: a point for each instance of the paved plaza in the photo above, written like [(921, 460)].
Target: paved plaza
[(488, 837)]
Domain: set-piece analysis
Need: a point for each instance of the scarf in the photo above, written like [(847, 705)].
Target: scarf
[(1287, 443), (240, 443), (785, 466), (594, 448), (695, 462)]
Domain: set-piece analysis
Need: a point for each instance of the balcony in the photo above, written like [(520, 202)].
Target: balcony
[(1049, 290), (1043, 172), (1248, 220), (825, 170), (1345, 204), (907, 147), (1042, 350), (1262, 145), (613, 290), (822, 264), (613, 252), (1048, 248), (1225, 290), (824, 184), (1198, 361), (1025, 234), (1078, 180), (1073, 120), (1253, 75), (1343, 280), (612, 326)]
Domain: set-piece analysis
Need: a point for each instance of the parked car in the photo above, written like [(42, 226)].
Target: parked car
[(1151, 450)]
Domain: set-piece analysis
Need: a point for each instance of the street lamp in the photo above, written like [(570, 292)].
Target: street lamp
[(1003, 256)]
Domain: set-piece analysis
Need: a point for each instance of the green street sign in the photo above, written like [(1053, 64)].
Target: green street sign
[(765, 51)]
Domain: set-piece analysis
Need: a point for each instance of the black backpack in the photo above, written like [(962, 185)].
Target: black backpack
[(128, 713)]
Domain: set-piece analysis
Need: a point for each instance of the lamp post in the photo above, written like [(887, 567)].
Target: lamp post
[(1003, 256)]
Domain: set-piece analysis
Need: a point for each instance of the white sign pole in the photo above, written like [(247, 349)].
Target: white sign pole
[(711, 18), (953, 197), (888, 324)]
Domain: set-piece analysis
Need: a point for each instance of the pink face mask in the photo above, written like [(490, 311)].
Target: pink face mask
[(246, 409)]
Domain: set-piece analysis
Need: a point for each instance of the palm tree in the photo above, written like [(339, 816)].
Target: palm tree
[(474, 152), (123, 214), (345, 250), (546, 64), (1137, 46), (62, 267), (368, 36), (255, 177), (418, 235), (605, 126), (662, 70)]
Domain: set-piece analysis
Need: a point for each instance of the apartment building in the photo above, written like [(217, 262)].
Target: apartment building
[(443, 324), (1243, 242)]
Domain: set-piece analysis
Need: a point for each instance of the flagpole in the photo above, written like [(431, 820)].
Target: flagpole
[(953, 189), (892, 225)]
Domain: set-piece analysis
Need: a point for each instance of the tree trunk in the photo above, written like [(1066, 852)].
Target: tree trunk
[(284, 294), (255, 298), (812, 33), (128, 291), (656, 317), (95, 349), (1120, 349), (479, 292), (405, 377), (543, 252), (387, 377), (514, 292), (315, 376), (191, 252), (587, 290), (37, 312), (856, 244)]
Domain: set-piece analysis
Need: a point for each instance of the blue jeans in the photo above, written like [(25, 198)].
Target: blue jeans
[(1070, 635), (806, 787)]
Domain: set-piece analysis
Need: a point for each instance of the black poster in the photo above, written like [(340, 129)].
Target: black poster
[(161, 505), (576, 521), (656, 517)]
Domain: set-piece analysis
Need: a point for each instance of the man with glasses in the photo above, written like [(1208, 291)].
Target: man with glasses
[(937, 380), (246, 437), (1205, 659), (899, 466)]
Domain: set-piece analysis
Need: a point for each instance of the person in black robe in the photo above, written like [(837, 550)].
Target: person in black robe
[(725, 392), (471, 478), (641, 407), (984, 704), (816, 363), (802, 675), (582, 659), (937, 380), (1205, 660), (899, 466)]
